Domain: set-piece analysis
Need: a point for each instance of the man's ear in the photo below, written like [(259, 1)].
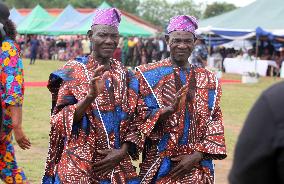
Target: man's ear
[(90, 34), (167, 38), (195, 39)]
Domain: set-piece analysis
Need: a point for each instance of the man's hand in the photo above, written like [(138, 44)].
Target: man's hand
[(96, 86), (178, 102), (185, 165), (180, 98), (112, 159), (97, 83)]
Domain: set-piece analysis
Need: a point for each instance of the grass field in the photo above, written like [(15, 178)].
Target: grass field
[(236, 101)]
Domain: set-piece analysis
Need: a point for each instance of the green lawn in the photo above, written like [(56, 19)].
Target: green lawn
[(36, 118), (236, 101)]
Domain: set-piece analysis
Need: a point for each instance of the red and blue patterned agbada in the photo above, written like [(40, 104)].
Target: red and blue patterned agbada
[(197, 126), (106, 125)]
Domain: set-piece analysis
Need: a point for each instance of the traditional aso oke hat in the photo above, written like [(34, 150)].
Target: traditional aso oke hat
[(108, 16), (182, 23)]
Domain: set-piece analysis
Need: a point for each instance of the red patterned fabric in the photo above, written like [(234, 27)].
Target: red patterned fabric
[(206, 130)]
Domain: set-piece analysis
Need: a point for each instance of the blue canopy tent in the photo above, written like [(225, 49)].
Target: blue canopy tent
[(67, 19), (15, 16), (234, 34), (215, 41)]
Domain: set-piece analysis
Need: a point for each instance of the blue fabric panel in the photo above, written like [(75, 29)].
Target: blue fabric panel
[(155, 75), (184, 139), (151, 101), (105, 182), (162, 146), (133, 181), (208, 164), (165, 168), (211, 98)]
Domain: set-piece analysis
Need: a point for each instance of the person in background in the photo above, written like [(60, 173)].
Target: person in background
[(34, 46), (200, 53), (125, 50), (117, 54), (130, 56), (86, 46), (149, 48), (259, 153), (218, 59), (12, 96)]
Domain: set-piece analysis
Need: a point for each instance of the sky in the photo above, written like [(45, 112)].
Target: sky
[(239, 3)]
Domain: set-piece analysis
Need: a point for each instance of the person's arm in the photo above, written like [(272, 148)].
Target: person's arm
[(16, 116), (82, 107), (129, 130), (96, 86), (13, 82), (150, 116)]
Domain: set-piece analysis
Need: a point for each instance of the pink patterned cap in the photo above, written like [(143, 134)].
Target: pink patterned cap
[(108, 16), (182, 23)]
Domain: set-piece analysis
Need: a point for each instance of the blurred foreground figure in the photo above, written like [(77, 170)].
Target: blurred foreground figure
[(12, 95), (92, 135), (179, 113), (259, 154)]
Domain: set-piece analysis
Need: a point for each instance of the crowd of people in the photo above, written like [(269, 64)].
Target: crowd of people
[(131, 51), (265, 51)]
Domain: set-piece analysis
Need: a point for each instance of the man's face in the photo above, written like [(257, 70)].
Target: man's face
[(104, 40), (181, 45)]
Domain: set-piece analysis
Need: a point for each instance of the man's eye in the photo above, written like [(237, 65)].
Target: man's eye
[(114, 36), (176, 40), (101, 34), (188, 41)]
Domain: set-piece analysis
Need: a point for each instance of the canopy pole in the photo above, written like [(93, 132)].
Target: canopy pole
[(256, 54), (209, 36)]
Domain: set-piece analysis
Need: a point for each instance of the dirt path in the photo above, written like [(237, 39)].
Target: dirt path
[(222, 170)]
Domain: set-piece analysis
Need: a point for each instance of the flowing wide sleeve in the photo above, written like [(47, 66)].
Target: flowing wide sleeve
[(213, 143), (61, 125), (132, 134)]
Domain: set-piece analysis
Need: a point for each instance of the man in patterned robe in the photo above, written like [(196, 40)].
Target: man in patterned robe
[(92, 136), (179, 113)]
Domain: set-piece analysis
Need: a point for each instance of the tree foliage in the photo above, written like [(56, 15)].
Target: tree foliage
[(218, 9), (126, 5), (160, 11)]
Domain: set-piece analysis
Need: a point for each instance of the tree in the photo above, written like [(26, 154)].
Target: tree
[(160, 11), (217, 9), (126, 5)]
